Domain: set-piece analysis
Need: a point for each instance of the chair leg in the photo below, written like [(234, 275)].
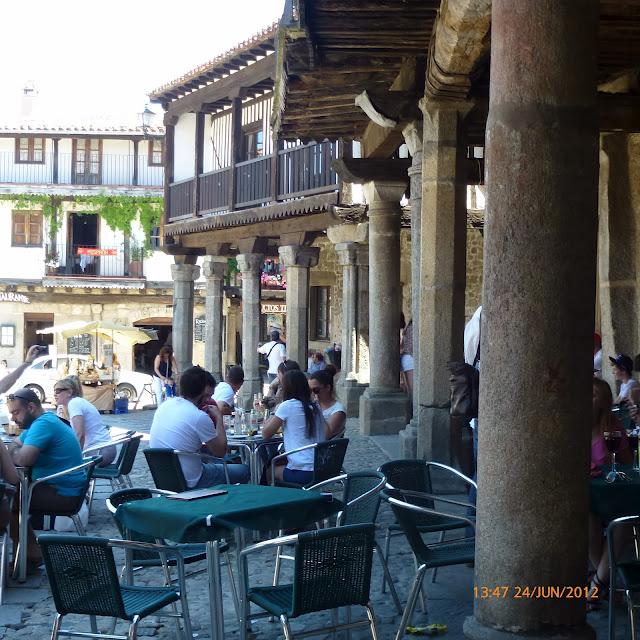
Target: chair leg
[(56, 627), (632, 617), (423, 606), (435, 569), (92, 488), (94, 624), (79, 526), (387, 576), (372, 622), (286, 628), (186, 618), (411, 602), (612, 608), (133, 628), (3, 565), (232, 582), (387, 546), (276, 571)]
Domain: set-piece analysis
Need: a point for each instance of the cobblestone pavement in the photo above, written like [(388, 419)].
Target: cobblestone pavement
[(28, 610)]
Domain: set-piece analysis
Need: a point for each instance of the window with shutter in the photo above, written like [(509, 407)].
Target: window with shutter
[(26, 229), (156, 148), (30, 150)]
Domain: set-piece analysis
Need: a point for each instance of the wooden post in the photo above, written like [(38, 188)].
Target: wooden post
[(169, 137), (55, 160), (236, 147), (275, 169), (199, 161), (135, 163)]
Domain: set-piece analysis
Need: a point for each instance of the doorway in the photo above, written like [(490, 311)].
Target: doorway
[(83, 234), (33, 322), (145, 354)]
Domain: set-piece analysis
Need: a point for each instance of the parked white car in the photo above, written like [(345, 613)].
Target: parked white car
[(41, 376)]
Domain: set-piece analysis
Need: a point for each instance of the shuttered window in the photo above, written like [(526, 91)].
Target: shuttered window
[(156, 148), (30, 150), (26, 229)]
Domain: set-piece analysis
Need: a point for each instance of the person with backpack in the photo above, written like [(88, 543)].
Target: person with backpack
[(276, 352)]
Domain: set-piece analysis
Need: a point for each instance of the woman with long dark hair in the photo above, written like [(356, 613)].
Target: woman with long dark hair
[(321, 386), (302, 424)]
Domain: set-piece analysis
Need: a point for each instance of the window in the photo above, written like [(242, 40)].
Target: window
[(253, 141), (87, 161), (319, 313), (30, 150), (7, 335), (27, 229), (154, 239), (156, 152)]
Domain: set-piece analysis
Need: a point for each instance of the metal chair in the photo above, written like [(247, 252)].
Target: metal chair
[(332, 569), (138, 560), (415, 475), (8, 491), (84, 580), (117, 473), (410, 509), (361, 498), (328, 457), (624, 571), (26, 493), (166, 469)]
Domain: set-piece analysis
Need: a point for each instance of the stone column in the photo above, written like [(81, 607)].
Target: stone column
[(250, 265), (184, 273), (348, 239), (619, 210), (538, 317), (413, 137), (362, 351), (383, 408), (442, 265), (213, 270), (297, 260)]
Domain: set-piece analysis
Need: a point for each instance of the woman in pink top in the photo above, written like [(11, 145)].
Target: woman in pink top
[(603, 420)]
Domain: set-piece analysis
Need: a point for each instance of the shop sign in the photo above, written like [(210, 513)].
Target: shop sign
[(10, 296), (93, 251), (199, 325), (273, 307)]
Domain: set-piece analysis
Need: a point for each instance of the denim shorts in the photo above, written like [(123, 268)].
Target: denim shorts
[(213, 474), (297, 476)]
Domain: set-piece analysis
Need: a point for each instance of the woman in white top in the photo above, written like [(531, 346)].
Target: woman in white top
[(84, 417), (623, 372), (302, 424), (321, 386)]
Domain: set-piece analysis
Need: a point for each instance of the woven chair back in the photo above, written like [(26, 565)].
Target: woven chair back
[(328, 459), (128, 455), (166, 470), (365, 510), (408, 475)]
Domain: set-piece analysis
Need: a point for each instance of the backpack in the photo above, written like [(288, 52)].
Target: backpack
[(464, 382), (264, 359)]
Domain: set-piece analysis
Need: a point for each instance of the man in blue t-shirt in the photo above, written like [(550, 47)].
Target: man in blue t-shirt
[(48, 445)]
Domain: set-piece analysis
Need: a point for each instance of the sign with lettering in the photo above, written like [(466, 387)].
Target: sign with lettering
[(10, 296), (199, 325), (79, 344), (93, 251), (273, 307)]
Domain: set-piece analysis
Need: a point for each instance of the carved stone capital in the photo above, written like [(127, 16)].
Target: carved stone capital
[(185, 272), (299, 256), (348, 233), (413, 137), (250, 263), (379, 193), (214, 267), (347, 253)]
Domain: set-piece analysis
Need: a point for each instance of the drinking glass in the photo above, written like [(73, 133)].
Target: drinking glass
[(612, 441), (633, 445)]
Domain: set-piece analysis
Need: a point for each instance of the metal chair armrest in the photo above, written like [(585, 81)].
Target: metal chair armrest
[(326, 482), (455, 472), (425, 510), (59, 474), (268, 544), (107, 443), (205, 457), (284, 454), (434, 496)]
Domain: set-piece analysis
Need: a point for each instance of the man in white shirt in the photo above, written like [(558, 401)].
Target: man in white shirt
[(276, 353), (179, 424), (226, 390)]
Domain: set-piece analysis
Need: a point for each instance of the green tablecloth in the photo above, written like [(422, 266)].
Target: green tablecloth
[(614, 500), (247, 506)]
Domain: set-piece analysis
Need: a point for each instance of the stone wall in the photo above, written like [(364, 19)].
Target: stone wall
[(328, 273), (473, 292)]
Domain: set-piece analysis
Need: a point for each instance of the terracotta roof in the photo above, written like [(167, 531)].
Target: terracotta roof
[(261, 43), (38, 127)]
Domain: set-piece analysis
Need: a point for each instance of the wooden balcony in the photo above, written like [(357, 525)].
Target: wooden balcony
[(290, 173)]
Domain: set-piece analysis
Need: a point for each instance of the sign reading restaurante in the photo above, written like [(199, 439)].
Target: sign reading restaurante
[(10, 296)]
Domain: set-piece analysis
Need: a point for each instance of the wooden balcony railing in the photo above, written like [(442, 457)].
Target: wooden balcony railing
[(300, 171)]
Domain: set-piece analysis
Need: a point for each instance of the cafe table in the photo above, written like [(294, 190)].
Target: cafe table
[(243, 507), (611, 500), (253, 444)]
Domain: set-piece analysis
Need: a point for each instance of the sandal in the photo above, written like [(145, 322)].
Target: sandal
[(598, 592)]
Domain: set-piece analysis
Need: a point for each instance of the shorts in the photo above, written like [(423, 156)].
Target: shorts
[(297, 476), (406, 362)]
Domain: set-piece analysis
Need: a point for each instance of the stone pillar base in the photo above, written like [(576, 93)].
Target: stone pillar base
[(349, 392), (475, 630), (434, 435), (383, 413), (409, 440)]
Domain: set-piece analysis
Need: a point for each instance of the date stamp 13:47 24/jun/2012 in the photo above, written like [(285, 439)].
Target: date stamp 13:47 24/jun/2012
[(534, 592)]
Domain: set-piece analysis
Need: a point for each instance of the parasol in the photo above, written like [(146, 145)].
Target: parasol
[(118, 333)]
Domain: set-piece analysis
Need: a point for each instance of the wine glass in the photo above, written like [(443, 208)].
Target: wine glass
[(612, 441), (633, 445)]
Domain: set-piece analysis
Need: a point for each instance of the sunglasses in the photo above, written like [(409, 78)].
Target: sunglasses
[(59, 389)]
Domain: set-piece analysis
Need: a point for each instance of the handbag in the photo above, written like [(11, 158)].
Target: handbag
[(265, 358)]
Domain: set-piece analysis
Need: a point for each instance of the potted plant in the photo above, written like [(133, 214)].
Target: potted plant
[(135, 261), (51, 260)]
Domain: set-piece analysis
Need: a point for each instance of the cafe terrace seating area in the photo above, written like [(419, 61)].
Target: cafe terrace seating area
[(368, 539)]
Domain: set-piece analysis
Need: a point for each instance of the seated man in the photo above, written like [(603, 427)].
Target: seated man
[(179, 424), (48, 446), (226, 391)]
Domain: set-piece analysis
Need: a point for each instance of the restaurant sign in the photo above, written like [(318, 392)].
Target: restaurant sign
[(93, 251), (273, 307), (10, 296)]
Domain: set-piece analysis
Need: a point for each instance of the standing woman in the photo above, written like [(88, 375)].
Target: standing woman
[(321, 386), (165, 372), (302, 424), (84, 417)]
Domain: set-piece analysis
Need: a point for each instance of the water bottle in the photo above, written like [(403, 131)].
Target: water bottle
[(238, 421), (253, 422)]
